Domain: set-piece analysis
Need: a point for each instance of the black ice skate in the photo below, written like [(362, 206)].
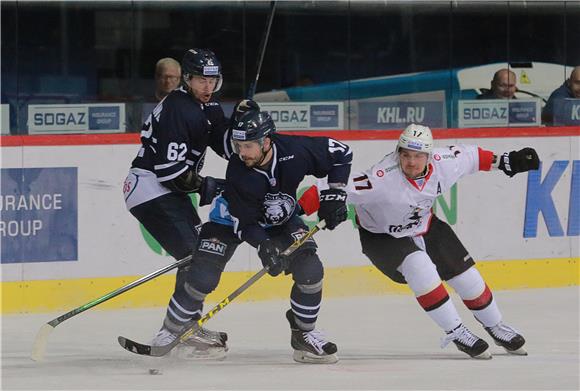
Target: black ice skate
[(467, 342), (508, 338), (310, 346)]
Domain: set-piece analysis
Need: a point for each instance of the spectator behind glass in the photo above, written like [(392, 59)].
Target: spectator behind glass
[(167, 76), (569, 89), (503, 86)]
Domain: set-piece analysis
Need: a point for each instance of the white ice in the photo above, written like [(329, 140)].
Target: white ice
[(385, 342)]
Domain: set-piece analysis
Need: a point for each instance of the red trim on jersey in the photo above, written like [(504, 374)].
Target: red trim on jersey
[(425, 179), (485, 159), (310, 201), (481, 301), (436, 296), (428, 224)]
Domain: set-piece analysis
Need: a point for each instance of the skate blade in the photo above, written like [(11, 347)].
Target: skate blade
[(192, 353), (309, 358), (486, 355), (518, 352)]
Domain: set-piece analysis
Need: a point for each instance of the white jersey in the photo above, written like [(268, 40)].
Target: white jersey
[(386, 201)]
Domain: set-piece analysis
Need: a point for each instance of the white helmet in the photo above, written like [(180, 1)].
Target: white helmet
[(416, 138)]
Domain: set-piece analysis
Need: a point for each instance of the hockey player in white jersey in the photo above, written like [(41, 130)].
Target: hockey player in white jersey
[(404, 239)]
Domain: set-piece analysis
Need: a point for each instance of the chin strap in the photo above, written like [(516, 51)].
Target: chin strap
[(264, 153)]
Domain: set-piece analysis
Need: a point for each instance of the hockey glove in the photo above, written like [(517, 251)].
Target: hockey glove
[(242, 107), (523, 160), (332, 207), (210, 188), (271, 258), (187, 182)]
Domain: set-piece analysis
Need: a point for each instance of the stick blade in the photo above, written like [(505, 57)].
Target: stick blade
[(39, 346), (146, 350)]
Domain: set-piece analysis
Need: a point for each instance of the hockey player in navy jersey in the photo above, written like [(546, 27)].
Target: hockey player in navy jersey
[(259, 206), (404, 239), (167, 168)]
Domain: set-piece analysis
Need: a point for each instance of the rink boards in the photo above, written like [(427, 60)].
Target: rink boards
[(67, 237)]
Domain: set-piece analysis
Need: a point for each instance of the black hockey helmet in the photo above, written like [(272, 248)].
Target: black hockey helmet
[(253, 125), (201, 62)]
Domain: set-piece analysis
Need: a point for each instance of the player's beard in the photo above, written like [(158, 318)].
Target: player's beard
[(250, 163)]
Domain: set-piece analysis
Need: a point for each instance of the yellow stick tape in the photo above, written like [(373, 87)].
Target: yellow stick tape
[(65, 295)]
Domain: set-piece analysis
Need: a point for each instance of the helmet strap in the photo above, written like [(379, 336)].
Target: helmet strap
[(264, 152)]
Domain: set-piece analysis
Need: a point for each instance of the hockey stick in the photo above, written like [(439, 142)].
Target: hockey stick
[(263, 44), (39, 346), (158, 351)]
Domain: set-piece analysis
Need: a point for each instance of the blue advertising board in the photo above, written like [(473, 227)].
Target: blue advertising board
[(498, 112), (39, 214), (397, 115), (306, 115), (76, 118), (567, 112)]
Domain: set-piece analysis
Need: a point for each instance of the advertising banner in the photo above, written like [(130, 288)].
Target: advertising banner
[(397, 115), (498, 113), (567, 112), (38, 221), (76, 118), (306, 115)]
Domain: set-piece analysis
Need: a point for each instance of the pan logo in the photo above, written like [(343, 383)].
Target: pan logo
[(539, 200)]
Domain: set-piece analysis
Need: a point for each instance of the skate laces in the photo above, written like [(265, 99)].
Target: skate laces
[(460, 334), (316, 339), (503, 332), (208, 334), (163, 337)]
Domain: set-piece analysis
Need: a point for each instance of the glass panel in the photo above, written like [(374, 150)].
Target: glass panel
[(383, 63)]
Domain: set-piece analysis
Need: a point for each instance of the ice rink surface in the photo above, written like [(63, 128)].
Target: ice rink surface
[(385, 342)]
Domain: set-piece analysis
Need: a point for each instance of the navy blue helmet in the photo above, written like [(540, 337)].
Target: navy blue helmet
[(253, 125), (201, 62)]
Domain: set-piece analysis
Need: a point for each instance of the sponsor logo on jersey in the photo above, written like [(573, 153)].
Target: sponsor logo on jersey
[(213, 246), (446, 156), (414, 218), (284, 158), (278, 208), (298, 235), (380, 173)]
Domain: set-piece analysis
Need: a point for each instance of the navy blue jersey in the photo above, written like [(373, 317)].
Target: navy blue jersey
[(262, 198), (177, 133)]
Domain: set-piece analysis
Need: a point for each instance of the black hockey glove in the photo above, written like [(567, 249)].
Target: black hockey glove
[(187, 182), (523, 160), (210, 188), (271, 258), (332, 207), (242, 107)]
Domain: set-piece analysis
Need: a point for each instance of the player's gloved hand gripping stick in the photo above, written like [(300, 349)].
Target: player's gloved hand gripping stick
[(158, 351)]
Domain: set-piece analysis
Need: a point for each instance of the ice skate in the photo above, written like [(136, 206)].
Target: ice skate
[(164, 337), (310, 346), (508, 338), (467, 342), (202, 344)]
